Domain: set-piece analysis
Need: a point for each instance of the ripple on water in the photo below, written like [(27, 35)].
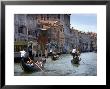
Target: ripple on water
[(63, 67)]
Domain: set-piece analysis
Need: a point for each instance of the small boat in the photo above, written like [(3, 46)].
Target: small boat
[(31, 68), (54, 58), (59, 53), (76, 60)]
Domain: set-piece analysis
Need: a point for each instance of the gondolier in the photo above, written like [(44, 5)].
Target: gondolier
[(76, 56), (23, 55), (30, 50), (73, 52)]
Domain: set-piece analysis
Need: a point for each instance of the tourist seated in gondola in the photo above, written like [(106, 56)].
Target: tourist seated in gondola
[(32, 63), (29, 63), (39, 63)]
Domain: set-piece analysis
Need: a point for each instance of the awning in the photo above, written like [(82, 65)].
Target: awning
[(20, 43)]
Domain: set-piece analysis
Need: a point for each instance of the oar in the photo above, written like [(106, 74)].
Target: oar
[(82, 61), (36, 64)]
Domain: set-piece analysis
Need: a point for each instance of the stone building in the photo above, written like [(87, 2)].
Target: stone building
[(74, 38), (58, 26), (84, 41), (60, 35), (93, 37), (25, 26)]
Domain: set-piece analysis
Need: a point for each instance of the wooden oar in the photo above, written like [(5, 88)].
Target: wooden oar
[(83, 61), (36, 64)]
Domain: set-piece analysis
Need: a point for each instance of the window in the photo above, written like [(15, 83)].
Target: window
[(20, 30), (41, 17), (29, 32), (36, 17), (59, 16), (44, 18), (55, 17), (47, 17), (61, 30)]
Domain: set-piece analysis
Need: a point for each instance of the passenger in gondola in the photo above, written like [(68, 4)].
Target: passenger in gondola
[(30, 64), (39, 63), (78, 53)]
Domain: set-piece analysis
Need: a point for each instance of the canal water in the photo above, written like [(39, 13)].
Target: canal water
[(64, 67)]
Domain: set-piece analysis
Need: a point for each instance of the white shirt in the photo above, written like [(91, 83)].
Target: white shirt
[(74, 50), (23, 53), (50, 50)]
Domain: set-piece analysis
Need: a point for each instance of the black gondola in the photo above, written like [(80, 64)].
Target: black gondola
[(29, 68), (76, 60), (54, 58)]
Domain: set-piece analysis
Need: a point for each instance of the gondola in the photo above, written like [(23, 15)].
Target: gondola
[(55, 57), (76, 60), (28, 68)]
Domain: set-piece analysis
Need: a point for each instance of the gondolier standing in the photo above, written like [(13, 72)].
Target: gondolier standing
[(30, 50), (73, 52), (23, 54)]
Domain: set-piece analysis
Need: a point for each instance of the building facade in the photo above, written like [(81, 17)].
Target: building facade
[(25, 27), (84, 41), (60, 35), (58, 26)]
